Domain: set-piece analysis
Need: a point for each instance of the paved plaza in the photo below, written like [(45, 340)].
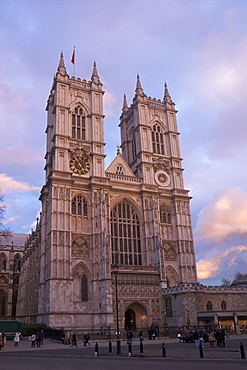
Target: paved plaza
[(55, 355)]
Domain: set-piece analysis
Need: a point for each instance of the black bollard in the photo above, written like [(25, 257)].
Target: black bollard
[(163, 350), (96, 350), (242, 351), (201, 351), (141, 345), (130, 349), (118, 347), (110, 346)]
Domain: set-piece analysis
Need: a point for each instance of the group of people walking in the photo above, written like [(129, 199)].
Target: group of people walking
[(213, 336), (37, 339), (74, 340)]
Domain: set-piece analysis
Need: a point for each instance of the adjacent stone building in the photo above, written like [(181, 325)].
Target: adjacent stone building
[(11, 253), (198, 305)]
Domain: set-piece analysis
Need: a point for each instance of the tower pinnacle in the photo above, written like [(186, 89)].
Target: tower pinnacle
[(125, 104), (95, 76), (61, 67), (167, 97), (139, 90)]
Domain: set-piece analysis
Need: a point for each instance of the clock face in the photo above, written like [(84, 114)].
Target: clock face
[(162, 178), (79, 165)]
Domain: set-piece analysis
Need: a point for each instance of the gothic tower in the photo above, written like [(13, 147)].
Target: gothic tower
[(73, 208), (150, 146)]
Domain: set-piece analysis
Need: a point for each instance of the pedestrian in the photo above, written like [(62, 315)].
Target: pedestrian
[(150, 334), (42, 335), (17, 338), (66, 337), (196, 338), (1, 341), (201, 338), (62, 337), (217, 336), (86, 340), (222, 336), (179, 334), (37, 339), (74, 340), (32, 338), (129, 337), (211, 339)]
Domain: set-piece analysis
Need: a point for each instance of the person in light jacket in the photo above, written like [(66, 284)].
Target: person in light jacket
[(17, 338)]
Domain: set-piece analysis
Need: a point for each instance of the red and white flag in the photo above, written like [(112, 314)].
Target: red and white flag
[(73, 57)]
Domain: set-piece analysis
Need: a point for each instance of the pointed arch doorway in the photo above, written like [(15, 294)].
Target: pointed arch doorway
[(136, 317)]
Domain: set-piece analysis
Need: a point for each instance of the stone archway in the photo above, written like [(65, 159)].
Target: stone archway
[(136, 317)]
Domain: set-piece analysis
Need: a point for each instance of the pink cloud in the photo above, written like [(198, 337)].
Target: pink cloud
[(21, 155), (226, 214), (209, 267), (9, 185)]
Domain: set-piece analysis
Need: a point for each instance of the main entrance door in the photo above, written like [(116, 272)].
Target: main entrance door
[(135, 317), (130, 319)]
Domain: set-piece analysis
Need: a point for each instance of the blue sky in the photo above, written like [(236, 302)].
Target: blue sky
[(198, 47)]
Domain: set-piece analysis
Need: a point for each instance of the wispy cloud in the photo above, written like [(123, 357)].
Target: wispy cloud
[(21, 155), (207, 268), (9, 185)]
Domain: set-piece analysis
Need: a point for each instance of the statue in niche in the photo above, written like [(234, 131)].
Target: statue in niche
[(170, 254), (80, 247)]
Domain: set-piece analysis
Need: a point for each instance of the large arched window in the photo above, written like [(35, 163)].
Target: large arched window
[(17, 262), (78, 124), (3, 300), (84, 289), (165, 214), (158, 140), (125, 235), (3, 261), (209, 306), (79, 206)]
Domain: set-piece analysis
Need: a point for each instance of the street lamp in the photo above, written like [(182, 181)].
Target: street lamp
[(115, 269)]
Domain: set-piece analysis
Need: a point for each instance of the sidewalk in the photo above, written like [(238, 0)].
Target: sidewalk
[(152, 348)]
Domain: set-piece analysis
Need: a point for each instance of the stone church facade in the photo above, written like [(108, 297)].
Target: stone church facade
[(135, 214)]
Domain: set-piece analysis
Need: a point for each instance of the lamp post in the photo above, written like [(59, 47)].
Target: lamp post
[(115, 269)]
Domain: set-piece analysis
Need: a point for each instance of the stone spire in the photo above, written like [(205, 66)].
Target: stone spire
[(95, 76), (167, 97), (139, 90), (61, 67), (169, 104), (125, 104)]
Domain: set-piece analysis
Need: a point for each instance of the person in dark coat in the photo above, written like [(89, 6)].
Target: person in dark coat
[(196, 338), (86, 340), (222, 336), (74, 340)]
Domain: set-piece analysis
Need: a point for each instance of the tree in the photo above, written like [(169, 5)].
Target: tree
[(239, 278), (226, 282), (4, 231)]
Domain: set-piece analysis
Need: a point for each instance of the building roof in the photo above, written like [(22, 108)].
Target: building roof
[(17, 239)]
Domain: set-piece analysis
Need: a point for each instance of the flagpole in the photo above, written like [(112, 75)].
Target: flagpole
[(73, 62)]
